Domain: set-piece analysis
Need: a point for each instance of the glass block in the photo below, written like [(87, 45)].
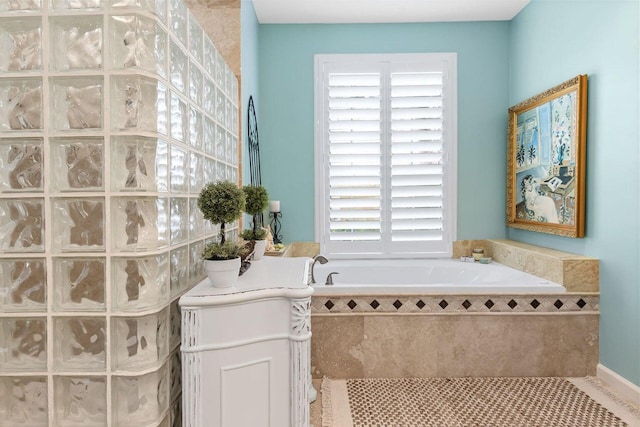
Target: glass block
[(20, 104), (78, 224), (179, 270), (179, 118), (23, 401), (139, 342), (178, 20), (209, 98), (22, 225), (76, 4), (139, 223), (196, 36), (175, 326), (21, 165), (23, 344), (80, 343), (196, 172), (209, 58), (140, 283), (196, 264), (22, 37), (220, 108), (221, 171), (234, 119), (162, 109), (179, 169), (221, 71), (235, 153), (196, 135), (195, 84), (77, 164), (76, 103), (209, 169), (231, 149), (139, 163), (228, 82), (138, 103), (221, 141), (140, 400), (196, 220), (209, 136), (175, 376), (76, 42), (80, 401), (228, 117), (79, 284), (230, 174), (178, 65), (138, 42), (178, 220), (24, 284), (158, 7), (21, 5), (234, 90)]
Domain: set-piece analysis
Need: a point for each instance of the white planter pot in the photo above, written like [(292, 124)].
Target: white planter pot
[(223, 274), (258, 249)]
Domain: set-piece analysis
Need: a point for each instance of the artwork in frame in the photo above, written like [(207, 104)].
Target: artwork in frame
[(546, 160)]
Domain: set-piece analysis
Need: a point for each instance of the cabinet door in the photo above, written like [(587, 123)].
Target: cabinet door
[(246, 385)]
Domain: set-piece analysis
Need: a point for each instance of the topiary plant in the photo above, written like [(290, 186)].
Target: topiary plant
[(221, 202), (249, 234), (256, 202), (221, 251)]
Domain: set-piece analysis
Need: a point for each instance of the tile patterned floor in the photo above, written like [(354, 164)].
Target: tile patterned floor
[(626, 410)]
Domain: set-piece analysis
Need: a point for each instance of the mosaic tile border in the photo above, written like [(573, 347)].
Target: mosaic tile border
[(454, 304)]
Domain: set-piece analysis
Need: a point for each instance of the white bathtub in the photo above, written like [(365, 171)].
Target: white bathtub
[(426, 276)]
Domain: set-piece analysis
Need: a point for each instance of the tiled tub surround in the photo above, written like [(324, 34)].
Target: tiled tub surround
[(440, 335), (577, 273), (113, 114)]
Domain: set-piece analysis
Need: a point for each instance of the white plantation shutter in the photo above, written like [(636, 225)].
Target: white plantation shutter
[(355, 156), (385, 154)]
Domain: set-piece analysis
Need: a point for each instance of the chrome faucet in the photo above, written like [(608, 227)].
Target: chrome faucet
[(329, 281), (321, 260)]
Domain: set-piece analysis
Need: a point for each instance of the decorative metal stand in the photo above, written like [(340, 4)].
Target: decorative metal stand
[(275, 226), (254, 150)]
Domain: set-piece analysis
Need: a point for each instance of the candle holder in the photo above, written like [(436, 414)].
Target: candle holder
[(275, 226)]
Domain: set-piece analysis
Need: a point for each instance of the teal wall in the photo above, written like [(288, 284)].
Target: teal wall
[(287, 107), (249, 81), (550, 42), (499, 64)]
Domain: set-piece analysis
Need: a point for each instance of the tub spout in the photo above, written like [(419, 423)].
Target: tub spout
[(321, 260), (329, 281)]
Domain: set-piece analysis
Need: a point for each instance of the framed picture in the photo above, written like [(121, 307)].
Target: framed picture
[(546, 160)]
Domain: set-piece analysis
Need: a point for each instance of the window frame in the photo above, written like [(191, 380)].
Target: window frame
[(387, 62)]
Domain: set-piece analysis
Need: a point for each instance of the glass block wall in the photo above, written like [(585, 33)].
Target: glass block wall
[(113, 115)]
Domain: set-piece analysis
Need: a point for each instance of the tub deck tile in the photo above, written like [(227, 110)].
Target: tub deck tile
[(453, 303)]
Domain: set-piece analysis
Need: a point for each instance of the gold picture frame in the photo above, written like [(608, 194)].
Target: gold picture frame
[(546, 156)]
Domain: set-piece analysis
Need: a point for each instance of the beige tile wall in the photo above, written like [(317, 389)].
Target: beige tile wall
[(578, 273), (386, 346)]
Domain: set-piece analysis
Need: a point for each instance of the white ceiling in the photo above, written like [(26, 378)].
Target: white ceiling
[(384, 11)]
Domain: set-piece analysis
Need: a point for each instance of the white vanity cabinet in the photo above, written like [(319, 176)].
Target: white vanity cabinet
[(246, 349)]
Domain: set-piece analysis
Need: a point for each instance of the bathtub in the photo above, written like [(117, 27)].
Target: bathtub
[(426, 276)]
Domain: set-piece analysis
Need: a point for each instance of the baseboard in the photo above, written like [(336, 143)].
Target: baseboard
[(621, 385)]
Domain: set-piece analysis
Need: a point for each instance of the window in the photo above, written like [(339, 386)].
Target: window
[(385, 154)]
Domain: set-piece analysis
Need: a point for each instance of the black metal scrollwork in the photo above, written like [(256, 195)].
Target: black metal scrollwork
[(254, 150)]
